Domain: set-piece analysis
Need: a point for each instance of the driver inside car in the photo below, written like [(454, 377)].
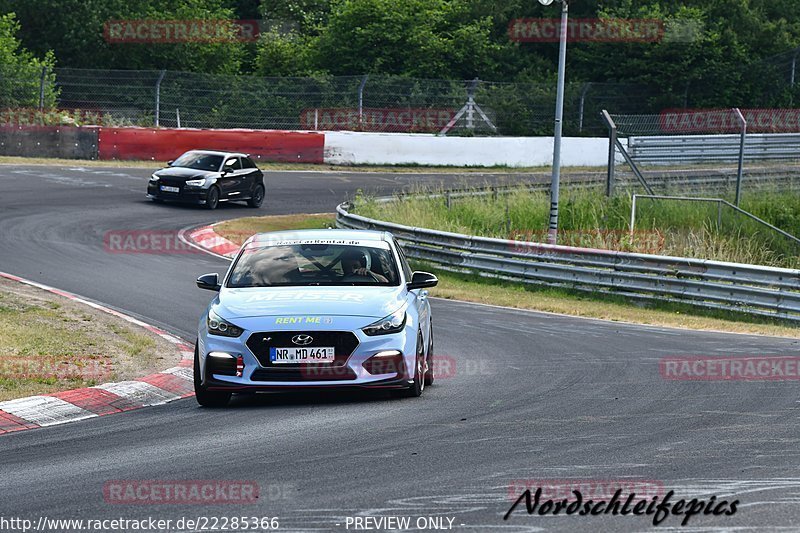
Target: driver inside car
[(354, 268)]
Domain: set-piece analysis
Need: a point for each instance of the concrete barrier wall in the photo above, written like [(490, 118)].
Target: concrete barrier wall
[(359, 148), (165, 143), (49, 141), (338, 148)]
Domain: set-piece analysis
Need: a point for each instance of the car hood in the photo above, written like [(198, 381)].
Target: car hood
[(185, 173), (372, 302)]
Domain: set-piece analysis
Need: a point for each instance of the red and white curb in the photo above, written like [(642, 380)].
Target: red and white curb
[(207, 240), (109, 398)]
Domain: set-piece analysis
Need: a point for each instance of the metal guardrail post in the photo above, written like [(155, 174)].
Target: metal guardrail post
[(740, 171), (612, 146), (158, 95), (41, 88)]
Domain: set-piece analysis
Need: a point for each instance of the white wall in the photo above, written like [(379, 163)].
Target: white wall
[(357, 148)]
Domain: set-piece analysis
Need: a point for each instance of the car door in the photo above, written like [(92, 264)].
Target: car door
[(249, 172), (230, 180)]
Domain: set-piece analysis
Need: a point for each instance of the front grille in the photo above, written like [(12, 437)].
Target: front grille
[(172, 182), (304, 373), (343, 342)]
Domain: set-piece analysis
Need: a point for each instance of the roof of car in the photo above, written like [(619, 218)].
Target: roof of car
[(344, 234), (219, 152)]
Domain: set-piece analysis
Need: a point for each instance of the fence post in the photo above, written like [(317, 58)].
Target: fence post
[(612, 145), (361, 101), (792, 77), (471, 104), (740, 171), (158, 94), (41, 88), (581, 105)]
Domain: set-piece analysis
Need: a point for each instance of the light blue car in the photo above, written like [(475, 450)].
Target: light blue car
[(315, 309)]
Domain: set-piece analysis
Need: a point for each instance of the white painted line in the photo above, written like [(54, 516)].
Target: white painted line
[(45, 410), (181, 372), (140, 392)]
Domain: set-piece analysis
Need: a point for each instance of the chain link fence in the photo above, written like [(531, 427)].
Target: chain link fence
[(359, 103)]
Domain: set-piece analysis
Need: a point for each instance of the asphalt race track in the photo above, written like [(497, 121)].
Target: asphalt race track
[(532, 397)]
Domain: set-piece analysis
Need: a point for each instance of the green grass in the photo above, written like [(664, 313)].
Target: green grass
[(472, 288), (49, 344), (588, 218)]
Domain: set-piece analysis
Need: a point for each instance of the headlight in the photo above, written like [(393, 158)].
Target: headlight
[(220, 326), (390, 324), (196, 183), (153, 178)]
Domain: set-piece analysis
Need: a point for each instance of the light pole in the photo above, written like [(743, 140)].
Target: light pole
[(552, 231)]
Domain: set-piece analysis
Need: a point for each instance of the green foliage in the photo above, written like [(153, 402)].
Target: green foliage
[(73, 29), (21, 71), (588, 218), (420, 38), (715, 53)]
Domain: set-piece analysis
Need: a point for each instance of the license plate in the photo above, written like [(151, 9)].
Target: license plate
[(301, 355), (165, 188)]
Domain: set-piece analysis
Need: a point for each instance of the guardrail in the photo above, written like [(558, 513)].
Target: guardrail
[(713, 148), (753, 289)]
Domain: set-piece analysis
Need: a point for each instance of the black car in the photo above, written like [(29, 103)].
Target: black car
[(208, 177)]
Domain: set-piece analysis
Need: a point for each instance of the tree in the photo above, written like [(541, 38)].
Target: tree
[(20, 70), (73, 29), (422, 38)]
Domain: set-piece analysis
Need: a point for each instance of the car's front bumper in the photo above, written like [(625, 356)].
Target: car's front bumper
[(347, 372), (189, 196)]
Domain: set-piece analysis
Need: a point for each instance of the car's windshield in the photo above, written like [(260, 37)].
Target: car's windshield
[(198, 161), (306, 263)]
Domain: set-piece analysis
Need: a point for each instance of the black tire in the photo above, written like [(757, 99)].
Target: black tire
[(430, 374), (416, 390), (157, 200), (207, 398), (258, 197), (212, 198)]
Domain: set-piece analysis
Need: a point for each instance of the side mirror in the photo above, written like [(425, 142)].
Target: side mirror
[(169, 163), (209, 282), (420, 280)]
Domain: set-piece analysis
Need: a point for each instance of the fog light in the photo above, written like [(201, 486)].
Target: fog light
[(385, 362), (220, 355), (239, 366)]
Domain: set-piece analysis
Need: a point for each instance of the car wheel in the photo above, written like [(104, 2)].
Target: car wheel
[(429, 375), (157, 200), (418, 387), (212, 198), (258, 197), (205, 397)]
